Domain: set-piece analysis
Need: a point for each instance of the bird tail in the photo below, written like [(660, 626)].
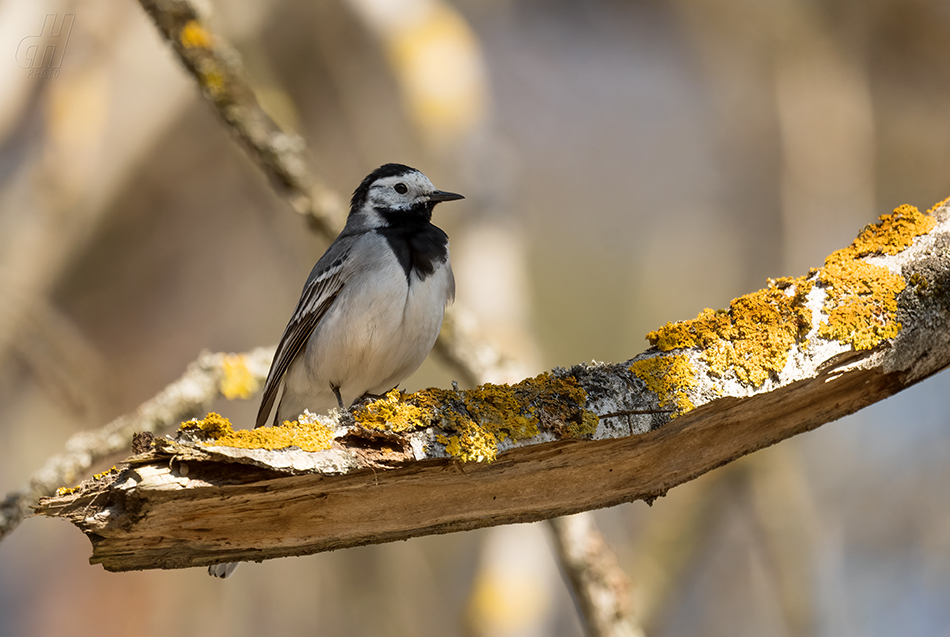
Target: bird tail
[(223, 571)]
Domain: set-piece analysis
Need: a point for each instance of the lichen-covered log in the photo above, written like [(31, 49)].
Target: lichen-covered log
[(872, 321)]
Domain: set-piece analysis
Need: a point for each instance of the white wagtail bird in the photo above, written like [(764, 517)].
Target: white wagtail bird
[(371, 308)]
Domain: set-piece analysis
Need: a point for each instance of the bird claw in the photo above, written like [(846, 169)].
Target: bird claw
[(366, 399)]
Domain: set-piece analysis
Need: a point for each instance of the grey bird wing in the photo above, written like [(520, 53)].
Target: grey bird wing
[(319, 292)]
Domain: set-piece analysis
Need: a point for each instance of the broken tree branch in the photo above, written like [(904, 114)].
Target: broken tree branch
[(189, 396), (781, 361)]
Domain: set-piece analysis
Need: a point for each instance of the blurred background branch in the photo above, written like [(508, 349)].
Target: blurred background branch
[(601, 587), (218, 71)]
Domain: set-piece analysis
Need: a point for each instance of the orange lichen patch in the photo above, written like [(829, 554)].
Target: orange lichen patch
[(753, 337), (308, 436), (391, 413), (940, 204), (471, 443), (862, 297), (862, 302), (213, 425), (670, 378), (103, 475), (195, 36), (237, 380), (474, 421), (894, 233)]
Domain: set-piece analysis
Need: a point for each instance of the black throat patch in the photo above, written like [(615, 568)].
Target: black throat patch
[(418, 245)]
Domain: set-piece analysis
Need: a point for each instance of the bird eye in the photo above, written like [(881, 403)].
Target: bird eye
[(401, 188)]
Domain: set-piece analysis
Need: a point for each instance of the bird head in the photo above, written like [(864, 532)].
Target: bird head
[(395, 192)]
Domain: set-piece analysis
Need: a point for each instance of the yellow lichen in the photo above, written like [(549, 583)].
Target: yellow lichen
[(862, 301), (471, 443), (391, 413), (670, 378), (475, 421), (752, 338), (308, 436), (576, 428), (237, 380), (195, 36), (919, 282), (212, 79), (95, 478), (862, 297), (213, 425), (894, 233), (104, 474), (498, 409), (937, 206)]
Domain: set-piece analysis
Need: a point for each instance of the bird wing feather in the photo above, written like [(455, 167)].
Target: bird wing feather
[(320, 291)]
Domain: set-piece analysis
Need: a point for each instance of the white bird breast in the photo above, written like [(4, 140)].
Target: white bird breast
[(377, 333)]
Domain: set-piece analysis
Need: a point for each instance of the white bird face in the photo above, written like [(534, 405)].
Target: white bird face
[(395, 194), (401, 192)]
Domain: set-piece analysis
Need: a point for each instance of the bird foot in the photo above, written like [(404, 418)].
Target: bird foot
[(366, 399)]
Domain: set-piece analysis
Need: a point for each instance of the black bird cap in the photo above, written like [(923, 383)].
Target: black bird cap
[(386, 170)]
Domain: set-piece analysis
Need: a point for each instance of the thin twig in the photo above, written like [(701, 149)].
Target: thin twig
[(217, 69)]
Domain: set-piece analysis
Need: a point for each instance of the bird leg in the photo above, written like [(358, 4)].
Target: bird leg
[(336, 392)]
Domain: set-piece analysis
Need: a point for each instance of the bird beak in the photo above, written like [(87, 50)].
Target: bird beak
[(441, 195)]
